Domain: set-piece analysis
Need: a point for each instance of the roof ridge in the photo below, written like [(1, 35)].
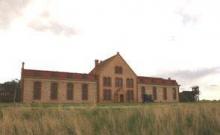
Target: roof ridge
[(54, 71)]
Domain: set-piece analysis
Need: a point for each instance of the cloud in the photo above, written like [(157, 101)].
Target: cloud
[(9, 10), (189, 78), (213, 86), (187, 18), (187, 13), (44, 23), (194, 74)]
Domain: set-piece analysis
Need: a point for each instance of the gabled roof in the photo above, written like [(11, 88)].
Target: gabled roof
[(42, 74), (156, 81), (102, 64)]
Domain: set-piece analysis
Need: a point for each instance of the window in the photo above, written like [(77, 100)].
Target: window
[(118, 82), (69, 91), (174, 93), (84, 91), (130, 95), (143, 91), (130, 83), (118, 70), (107, 81), (53, 90), (107, 94), (154, 93), (37, 90), (165, 93)]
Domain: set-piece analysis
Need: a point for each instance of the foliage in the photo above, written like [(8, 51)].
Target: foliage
[(11, 90)]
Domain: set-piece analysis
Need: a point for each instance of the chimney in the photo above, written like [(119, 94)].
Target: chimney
[(169, 78), (96, 62), (23, 65)]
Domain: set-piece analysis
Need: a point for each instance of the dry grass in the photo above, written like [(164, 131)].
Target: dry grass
[(152, 119)]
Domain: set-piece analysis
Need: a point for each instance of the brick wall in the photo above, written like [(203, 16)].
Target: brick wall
[(62, 97)]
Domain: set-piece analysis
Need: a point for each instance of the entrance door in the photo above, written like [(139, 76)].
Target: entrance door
[(121, 98)]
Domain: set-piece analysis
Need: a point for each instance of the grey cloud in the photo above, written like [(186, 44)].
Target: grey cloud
[(189, 78), (195, 74), (213, 86), (45, 24), (9, 10), (188, 18), (52, 26)]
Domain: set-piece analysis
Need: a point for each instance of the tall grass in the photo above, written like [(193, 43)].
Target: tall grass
[(152, 119)]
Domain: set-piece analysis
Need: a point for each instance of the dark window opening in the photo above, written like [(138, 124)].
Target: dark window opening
[(54, 91), (130, 95), (165, 93), (69, 92), (130, 83), (107, 94), (37, 90), (107, 82), (118, 82), (118, 70), (154, 93), (84, 91)]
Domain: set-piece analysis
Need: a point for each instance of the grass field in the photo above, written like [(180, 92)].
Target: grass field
[(119, 119)]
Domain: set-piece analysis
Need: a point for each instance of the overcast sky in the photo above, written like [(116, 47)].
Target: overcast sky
[(163, 38)]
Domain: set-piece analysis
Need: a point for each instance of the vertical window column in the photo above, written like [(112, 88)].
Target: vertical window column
[(37, 90), (54, 91), (155, 93), (69, 91), (84, 91)]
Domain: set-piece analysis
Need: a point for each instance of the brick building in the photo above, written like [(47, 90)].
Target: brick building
[(111, 80)]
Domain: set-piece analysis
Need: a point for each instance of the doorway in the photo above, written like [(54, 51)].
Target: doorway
[(121, 98)]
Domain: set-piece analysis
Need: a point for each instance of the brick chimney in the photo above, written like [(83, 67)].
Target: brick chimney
[(22, 65), (96, 62)]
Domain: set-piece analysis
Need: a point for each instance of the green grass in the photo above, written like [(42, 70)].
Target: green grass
[(114, 119)]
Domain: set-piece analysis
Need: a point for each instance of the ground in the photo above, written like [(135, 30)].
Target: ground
[(111, 119)]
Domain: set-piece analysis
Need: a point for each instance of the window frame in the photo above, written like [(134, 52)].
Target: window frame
[(154, 93), (143, 90), (54, 90), (118, 70), (164, 93), (107, 81), (119, 82), (107, 94), (37, 90), (70, 91), (130, 95), (85, 91), (130, 83)]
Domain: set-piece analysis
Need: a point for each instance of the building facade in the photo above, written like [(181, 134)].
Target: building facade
[(111, 81)]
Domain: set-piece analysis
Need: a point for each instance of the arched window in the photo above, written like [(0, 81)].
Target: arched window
[(129, 83), (69, 91), (165, 93), (54, 90), (155, 93), (84, 91), (37, 90)]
